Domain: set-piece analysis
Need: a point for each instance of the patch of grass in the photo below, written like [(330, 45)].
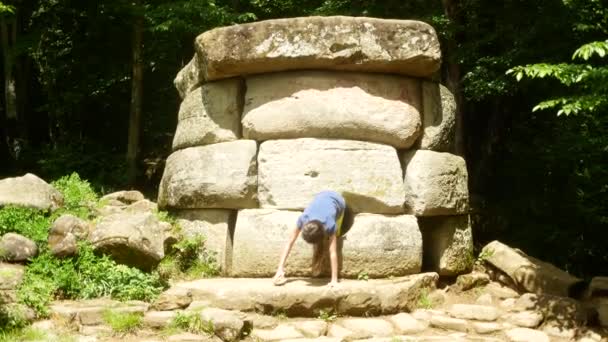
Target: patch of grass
[(78, 195), (424, 301), (363, 276), (123, 322), (191, 322), (327, 316), (28, 222), (189, 259), (484, 255), (25, 334)]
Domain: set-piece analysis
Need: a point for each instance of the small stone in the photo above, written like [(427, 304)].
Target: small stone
[(426, 314), (526, 335), (158, 319), (527, 301), (484, 299), (450, 323), (486, 327), (525, 319), (11, 276), (124, 197), (406, 324), (17, 248), (173, 299), (311, 329), (499, 291), (559, 330), (468, 281), (368, 327), (471, 311), (339, 331), (508, 304), (281, 332), (227, 325)]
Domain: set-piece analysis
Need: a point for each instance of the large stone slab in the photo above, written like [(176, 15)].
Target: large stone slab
[(342, 105), (306, 297), (188, 78), (367, 174), (214, 176), (438, 118), (210, 114), (339, 43), (376, 245), (448, 244), (216, 225), (435, 183), (29, 191), (529, 273)]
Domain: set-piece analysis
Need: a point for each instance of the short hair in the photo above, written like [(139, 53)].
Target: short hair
[(313, 232)]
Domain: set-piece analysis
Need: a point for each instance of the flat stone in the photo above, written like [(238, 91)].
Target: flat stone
[(288, 180), (448, 244), (216, 226), (17, 248), (29, 191), (368, 327), (159, 319), (438, 119), (484, 299), (556, 329), (406, 324), (11, 276), (465, 282), (227, 325), (529, 273), (525, 319), (425, 315), (210, 114), (472, 311), (449, 323), (90, 312), (311, 329), (486, 327), (220, 175), (526, 335), (281, 332), (341, 105), (305, 297), (435, 183), (500, 292), (508, 304), (338, 43), (189, 337), (173, 299), (124, 197)]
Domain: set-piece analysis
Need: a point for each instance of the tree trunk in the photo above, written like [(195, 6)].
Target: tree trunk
[(136, 98), (453, 77)]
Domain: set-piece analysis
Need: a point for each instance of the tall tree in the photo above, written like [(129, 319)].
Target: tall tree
[(136, 93)]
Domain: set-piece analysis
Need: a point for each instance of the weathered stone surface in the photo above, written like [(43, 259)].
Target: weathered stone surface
[(525, 319), (282, 332), (529, 273), (338, 331), (227, 325), (190, 337), (306, 297), (215, 225), (435, 183), (17, 248), (29, 191), (368, 327), (90, 312), (131, 239), (158, 319), (188, 78), (173, 299), (448, 244), (214, 176), (472, 311), (339, 43), (288, 180), (486, 327), (142, 206), (311, 329), (372, 245), (11, 276), (598, 287), (406, 324), (125, 197), (501, 292), (449, 323), (472, 280), (315, 104), (65, 233), (438, 118), (484, 299), (210, 114), (526, 335)]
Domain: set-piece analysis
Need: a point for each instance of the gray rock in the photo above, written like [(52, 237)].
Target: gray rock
[(526, 335), (438, 118), (227, 325), (289, 180), (486, 327), (142, 206), (525, 319), (484, 299), (449, 323), (188, 78), (65, 233), (339, 43), (371, 246), (448, 244), (341, 105), (529, 273), (472, 280), (435, 183), (368, 327), (406, 324), (17, 248), (214, 176), (210, 114), (500, 292), (11, 277), (472, 311), (159, 319), (29, 191), (125, 197), (280, 333), (173, 299), (132, 239), (311, 329), (598, 287)]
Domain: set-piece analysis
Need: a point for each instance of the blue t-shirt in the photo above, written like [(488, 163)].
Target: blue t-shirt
[(325, 208)]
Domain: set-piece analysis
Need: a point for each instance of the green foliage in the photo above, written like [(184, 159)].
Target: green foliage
[(191, 322), (12, 318), (189, 259), (327, 316), (363, 276), (83, 277), (30, 223), (123, 322), (26, 334), (424, 301), (78, 194)]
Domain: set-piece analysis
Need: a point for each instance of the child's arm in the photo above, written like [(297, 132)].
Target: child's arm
[(280, 270), (333, 258)]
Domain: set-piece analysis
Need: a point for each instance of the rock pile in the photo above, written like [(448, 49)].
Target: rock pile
[(276, 111)]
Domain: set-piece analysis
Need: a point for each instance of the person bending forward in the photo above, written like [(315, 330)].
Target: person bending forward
[(320, 223)]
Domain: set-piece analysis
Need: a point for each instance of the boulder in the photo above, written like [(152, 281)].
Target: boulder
[(291, 172), (325, 104), (529, 273), (465, 282), (65, 233), (598, 287), (11, 277), (17, 248), (131, 239), (214, 176), (29, 191), (448, 244), (370, 247), (216, 226), (306, 297), (125, 197), (227, 325), (188, 78), (210, 114), (438, 118), (435, 183), (339, 43)]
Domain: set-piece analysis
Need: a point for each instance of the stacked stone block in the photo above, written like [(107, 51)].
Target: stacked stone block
[(276, 111)]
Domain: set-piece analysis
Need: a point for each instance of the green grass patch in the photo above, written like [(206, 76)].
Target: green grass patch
[(123, 322), (191, 322), (189, 259), (31, 223), (24, 334)]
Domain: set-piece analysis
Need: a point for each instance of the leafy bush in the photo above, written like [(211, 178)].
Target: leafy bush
[(79, 196), (122, 322), (30, 223), (189, 259), (191, 322)]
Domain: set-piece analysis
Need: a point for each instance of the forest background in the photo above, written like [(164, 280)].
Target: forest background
[(88, 88)]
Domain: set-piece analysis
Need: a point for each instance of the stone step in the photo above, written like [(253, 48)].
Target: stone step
[(308, 297)]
